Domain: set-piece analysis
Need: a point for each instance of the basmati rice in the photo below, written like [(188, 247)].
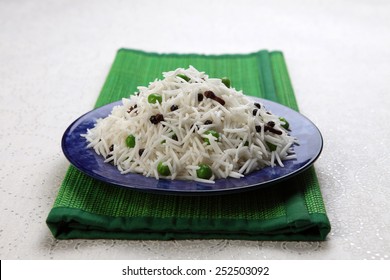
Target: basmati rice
[(176, 131)]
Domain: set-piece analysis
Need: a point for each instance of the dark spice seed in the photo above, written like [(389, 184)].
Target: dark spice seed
[(159, 118), (156, 118), (258, 128), (278, 132), (140, 152), (208, 122), (271, 123), (111, 148), (174, 137), (174, 108), (257, 105), (200, 97), (273, 130), (153, 120), (132, 108), (211, 95), (254, 112)]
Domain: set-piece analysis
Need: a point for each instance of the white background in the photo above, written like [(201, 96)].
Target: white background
[(55, 55), (190, 269)]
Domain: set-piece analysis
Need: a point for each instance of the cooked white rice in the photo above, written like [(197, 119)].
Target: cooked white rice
[(246, 132)]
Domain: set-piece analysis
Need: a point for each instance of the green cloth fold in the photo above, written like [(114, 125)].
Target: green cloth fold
[(290, 210)]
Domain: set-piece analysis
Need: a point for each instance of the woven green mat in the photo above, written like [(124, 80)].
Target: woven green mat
[(291, 210)]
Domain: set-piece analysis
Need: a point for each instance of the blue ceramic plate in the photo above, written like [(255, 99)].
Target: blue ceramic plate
[(87, 161)]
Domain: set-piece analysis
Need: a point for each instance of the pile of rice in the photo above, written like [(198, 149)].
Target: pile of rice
[(179, 140)]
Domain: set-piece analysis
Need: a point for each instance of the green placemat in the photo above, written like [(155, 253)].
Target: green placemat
[(292, 210)]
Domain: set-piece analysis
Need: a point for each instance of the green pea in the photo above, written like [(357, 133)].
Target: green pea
[(271, 146), (213, 133), (286, 125), (184, 77), (226, 81), (204, 171), (154, 97), (130, 141), (163, 169)]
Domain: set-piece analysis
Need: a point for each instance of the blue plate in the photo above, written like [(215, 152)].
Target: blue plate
[(87, 161)]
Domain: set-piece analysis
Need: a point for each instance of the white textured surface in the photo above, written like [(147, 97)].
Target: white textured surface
[(55, 56)]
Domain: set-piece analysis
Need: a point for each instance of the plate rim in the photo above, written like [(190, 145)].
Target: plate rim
[(193, 192)]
